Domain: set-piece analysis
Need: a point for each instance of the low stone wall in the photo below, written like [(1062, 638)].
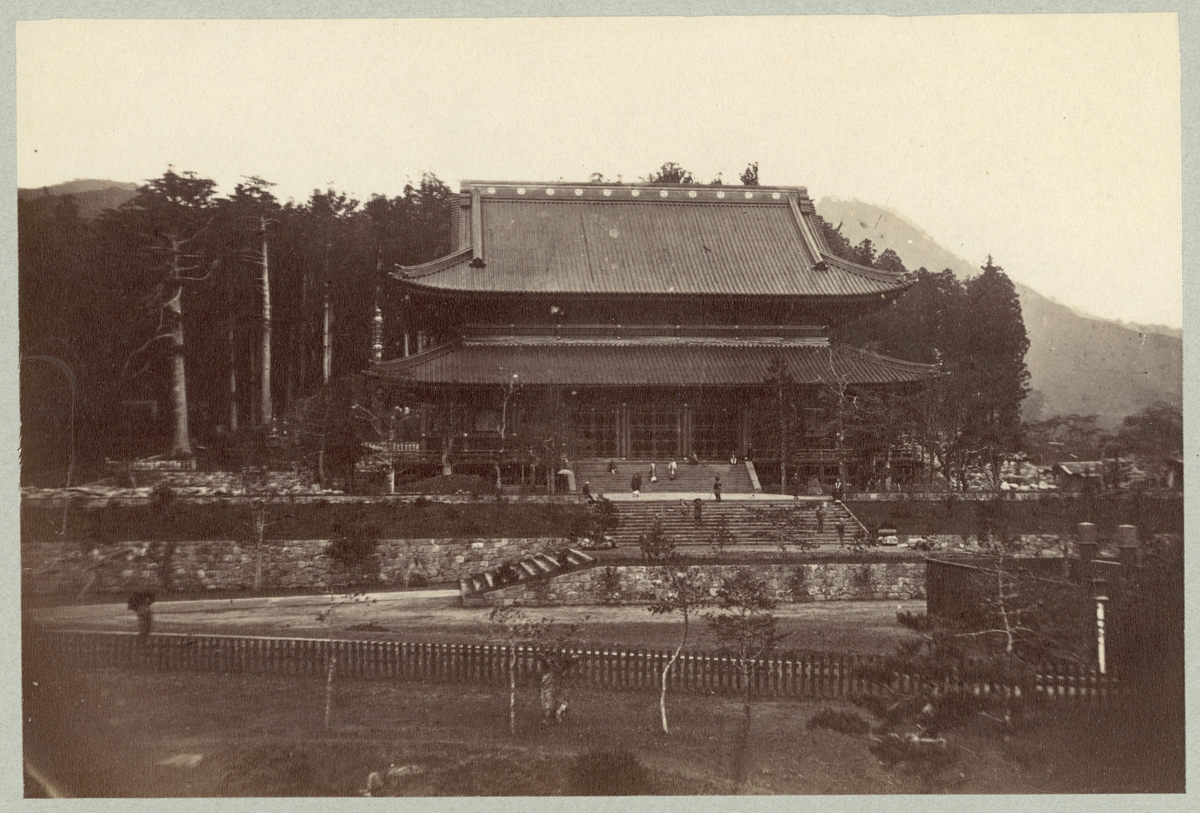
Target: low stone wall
[(642, 584), (50, 567)]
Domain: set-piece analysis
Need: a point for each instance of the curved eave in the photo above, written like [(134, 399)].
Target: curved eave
[(432, 267), (414, 285), (465, 363), (887, 277)]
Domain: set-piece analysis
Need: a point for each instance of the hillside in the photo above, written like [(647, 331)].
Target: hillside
[(91, 196), (1076, 363)]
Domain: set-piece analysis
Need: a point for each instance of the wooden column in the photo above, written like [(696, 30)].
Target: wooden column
[(623, 444), (685, 418), (743, 430)]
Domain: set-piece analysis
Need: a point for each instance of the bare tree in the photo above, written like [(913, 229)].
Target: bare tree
[(336, 602), (386, 450), (265, 410), (686, 590), (746, 627), (515, 629), (551, 646), (785, 526)]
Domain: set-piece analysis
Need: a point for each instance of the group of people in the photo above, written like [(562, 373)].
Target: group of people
[(636, 481)]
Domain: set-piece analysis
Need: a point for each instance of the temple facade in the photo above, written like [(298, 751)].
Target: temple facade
[(580, 323)]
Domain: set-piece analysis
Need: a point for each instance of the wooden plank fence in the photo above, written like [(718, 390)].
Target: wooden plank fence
[(803, 675)]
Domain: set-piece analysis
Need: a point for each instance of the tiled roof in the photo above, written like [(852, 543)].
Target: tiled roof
[(638, 361), (643, 239)]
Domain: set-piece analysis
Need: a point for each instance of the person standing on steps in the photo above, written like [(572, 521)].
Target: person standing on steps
[(839, 490), (671, 470), (653, 473), (820, 518), (717, 488), (698, 510), (635, 483), (841, 532)]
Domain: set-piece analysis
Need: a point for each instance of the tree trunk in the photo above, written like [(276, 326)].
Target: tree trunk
[(512, 691), (329, 690), (327, 340), (181, 446), (233, 393), (662, 697), (743, 757), (265, 379), (260, 528)]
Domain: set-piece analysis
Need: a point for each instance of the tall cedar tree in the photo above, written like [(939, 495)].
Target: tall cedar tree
[(164, 231), (75, 274), (975, 331)]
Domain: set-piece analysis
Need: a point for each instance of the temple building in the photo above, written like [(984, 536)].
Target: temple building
[(577, 324)]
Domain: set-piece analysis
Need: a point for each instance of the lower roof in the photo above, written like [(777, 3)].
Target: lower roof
[(667, 362)]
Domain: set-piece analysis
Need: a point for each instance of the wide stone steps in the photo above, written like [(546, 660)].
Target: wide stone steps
[(746, 521), (533, 568), (690, 478)]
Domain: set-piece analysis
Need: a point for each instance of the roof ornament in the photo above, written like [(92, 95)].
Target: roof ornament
[(377, 332), (821, 265)]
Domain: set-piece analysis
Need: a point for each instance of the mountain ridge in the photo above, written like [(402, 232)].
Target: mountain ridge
[(91, 195), (1077, 363)]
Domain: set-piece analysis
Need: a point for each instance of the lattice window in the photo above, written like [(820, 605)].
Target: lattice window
[(654, 432), (596, 431)]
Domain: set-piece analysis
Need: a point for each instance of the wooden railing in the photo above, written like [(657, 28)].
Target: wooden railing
[(802, 675)]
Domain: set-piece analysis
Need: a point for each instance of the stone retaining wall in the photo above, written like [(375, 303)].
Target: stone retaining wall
[(642, 584), (50, 567)]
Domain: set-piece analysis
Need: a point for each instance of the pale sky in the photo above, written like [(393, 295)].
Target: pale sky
[(1051, 142)]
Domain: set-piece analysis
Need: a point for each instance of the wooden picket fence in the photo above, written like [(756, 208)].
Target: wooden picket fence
[(802, 675)]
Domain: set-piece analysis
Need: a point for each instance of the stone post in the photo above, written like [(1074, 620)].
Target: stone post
[(1087, 546), (1127, 539)]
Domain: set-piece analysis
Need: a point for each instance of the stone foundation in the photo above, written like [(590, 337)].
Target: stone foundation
[(642, 584), (49, 567)]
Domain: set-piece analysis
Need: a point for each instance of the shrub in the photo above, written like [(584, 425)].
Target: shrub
[(721, 537), (797, 584), (864, 580), (608, 773), (610, 585), (655, 544), (846, 722), (354, 548), (918, 622)]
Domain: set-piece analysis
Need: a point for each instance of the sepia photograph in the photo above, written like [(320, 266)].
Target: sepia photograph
[(600, 406)]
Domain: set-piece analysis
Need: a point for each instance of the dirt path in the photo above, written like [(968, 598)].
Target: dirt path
[(852, 626)]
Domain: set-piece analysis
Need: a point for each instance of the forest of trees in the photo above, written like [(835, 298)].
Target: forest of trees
[(158, 305), (162, 300)]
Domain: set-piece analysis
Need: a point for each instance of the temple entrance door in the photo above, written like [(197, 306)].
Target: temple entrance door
[(715, 432), (654, 432), (596, 430)]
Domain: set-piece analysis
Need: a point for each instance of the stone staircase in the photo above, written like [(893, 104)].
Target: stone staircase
[(531, 569), (745, 520), (690, 478)]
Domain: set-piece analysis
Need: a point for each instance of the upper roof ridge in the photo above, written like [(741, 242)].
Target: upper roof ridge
[(641, 192)]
